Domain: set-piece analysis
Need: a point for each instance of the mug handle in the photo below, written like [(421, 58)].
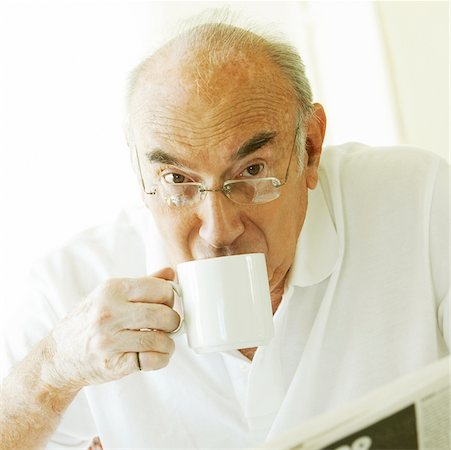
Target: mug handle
[(177, 289)]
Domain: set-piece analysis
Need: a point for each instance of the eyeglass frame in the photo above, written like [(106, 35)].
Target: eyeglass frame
[(204, 189)]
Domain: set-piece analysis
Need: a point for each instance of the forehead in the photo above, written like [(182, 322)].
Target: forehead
[(194, 100)]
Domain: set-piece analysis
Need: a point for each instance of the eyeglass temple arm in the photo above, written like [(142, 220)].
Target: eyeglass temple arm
[(140, 172), (291, 154)]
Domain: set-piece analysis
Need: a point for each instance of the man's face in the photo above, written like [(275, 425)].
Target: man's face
[(199, 121)]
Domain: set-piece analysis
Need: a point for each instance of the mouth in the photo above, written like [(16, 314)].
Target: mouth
[(217, 252), (204, 251)]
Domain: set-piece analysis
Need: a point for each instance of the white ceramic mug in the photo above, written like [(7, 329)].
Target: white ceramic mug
[(226, 302)]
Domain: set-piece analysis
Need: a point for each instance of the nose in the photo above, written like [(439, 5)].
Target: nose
[(221, 222)]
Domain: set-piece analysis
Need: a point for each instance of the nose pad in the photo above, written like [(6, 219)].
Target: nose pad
[(221, 220)]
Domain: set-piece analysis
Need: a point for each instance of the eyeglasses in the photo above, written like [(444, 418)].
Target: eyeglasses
[(242, 192)]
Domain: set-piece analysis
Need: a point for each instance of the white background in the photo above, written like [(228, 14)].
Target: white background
[(379, 68)]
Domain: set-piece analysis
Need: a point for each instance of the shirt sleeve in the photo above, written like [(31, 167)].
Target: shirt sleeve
[(439, 233), (31, 318)]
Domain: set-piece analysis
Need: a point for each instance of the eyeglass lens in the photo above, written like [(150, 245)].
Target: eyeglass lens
[(241, 192)]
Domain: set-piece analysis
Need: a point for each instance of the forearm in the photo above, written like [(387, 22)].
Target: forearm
[(30, 407)]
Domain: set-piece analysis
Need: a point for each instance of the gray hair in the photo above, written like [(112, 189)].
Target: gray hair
[(219, 30)]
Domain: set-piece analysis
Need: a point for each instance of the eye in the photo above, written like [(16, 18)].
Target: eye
[(174, 178), (252, 171)]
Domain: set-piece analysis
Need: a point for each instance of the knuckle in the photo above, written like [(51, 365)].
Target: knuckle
[(100, 343), (114, 286), (108, 285), (162, 288), (118, 366), (102, 314)]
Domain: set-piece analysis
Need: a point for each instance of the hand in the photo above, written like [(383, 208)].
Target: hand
[(99, 341), (95, 444)]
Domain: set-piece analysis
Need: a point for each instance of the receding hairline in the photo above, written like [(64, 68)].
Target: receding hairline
[(217, 40), (206, 45), (220, 40)]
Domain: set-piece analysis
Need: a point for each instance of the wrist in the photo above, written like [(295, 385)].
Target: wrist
[(28, 388), (53, 385)]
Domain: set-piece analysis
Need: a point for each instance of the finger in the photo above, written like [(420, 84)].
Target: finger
[(167, 274), (137, 315), (150, 290), (144, 341), (96, 444), (153, 360)]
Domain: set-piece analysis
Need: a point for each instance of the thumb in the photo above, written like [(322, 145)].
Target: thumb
[(167, 274)]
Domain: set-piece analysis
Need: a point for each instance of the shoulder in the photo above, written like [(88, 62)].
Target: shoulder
[(105, 251), (356, 158), (354, 170), (385, 195)]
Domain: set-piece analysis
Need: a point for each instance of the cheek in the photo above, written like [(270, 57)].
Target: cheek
[(288, 211), (174, 229), (171, 227), (284, 226)]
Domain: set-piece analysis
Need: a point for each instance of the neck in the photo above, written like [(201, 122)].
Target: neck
[(277, 293), (276, 299)]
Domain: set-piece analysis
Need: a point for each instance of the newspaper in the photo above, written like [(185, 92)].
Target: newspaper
[(412, 412)]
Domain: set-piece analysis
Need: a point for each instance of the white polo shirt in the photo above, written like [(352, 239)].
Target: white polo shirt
[(367, 301)]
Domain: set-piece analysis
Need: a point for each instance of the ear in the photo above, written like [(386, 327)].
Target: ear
[(316, 129)]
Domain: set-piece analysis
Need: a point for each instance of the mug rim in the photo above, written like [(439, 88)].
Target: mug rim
[(216, 258)]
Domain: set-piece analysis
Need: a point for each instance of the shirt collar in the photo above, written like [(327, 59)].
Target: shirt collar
[(317, 247)]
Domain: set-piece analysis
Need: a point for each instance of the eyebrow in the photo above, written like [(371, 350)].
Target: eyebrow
[(159, 156), (250, 146), (254, 143)]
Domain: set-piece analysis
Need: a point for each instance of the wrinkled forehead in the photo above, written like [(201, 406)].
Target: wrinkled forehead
[(214, 88)]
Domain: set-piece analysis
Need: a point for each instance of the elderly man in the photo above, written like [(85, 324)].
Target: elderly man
[(355, 247)]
